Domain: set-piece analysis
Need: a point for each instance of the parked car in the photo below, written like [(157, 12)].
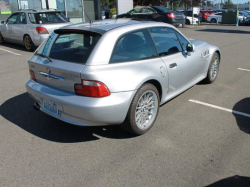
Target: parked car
[(204, 15), (242, 17), (156, 13), (31, 27), (116, 72), (210, 12), (247, 21), (189, 17), (214, 17)]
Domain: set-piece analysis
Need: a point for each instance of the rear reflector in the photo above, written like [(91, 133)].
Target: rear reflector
[(92, 89), (42, 30), (32, 75), (171, 15)]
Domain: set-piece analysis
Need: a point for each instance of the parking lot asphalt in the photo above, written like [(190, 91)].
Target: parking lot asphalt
[(201, 137)]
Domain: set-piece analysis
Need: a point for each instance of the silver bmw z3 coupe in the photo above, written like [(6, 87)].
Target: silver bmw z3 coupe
[(116, 72)]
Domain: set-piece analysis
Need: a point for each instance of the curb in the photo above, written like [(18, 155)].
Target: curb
[(195, 27)]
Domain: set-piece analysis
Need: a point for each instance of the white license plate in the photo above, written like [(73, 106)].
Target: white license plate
[(50, 107), (180, 25)]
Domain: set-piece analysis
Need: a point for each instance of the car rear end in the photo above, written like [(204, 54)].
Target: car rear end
[(60, 87), (44, 23), (172, 17)]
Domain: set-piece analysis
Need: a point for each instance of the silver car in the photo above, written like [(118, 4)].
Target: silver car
[(31, 27), (116, 72)]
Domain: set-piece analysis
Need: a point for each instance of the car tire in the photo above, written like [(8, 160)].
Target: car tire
[(143, 110), (213, 69), (1, 39), (28, 43), (213, 20)]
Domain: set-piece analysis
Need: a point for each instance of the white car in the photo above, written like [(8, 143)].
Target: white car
[(190, 21), (212, 18)]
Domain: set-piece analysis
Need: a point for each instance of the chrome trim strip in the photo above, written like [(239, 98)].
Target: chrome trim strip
[(51, 77)]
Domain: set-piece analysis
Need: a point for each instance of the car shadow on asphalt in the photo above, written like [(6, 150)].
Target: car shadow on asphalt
[(234, 181), (225, 31), (15, 46), (19, 110), (243, 121)]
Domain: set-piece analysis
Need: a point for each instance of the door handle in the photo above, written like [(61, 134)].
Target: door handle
[(172, 65)]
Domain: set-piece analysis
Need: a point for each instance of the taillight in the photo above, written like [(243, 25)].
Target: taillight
[(32, 75), (42, 30), (171, 15), (92, 89)]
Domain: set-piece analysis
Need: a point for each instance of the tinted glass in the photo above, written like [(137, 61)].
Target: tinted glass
[(12, 19), (135, 10), (70, 47), (148, 10), (161, 9), (51, 18), (165, 40), (32, 18), (183, 41), (133, 46)]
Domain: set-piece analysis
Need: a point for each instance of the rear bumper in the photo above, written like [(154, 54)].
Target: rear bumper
[(37, 39), (80, 110), (177, 23)]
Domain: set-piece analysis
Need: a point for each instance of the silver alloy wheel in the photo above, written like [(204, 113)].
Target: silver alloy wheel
[(146, 109), (214, 68), (27, 42)]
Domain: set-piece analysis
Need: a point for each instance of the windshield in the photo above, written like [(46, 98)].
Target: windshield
[(51, 17), (70, 47)]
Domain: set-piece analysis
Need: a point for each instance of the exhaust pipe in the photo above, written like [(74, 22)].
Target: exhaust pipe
[(36, 106)]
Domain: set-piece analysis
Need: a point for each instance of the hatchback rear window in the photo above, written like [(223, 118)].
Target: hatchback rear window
[(70, 47)]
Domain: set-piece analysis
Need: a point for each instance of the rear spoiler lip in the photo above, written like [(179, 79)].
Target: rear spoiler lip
[(79, 31)]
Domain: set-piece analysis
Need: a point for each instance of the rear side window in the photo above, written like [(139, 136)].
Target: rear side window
[(165, 40), (71, 47), (32, 18), (133, 46)]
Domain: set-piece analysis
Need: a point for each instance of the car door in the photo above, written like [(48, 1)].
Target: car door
[(19, 27), (8, 34), (182, 67)]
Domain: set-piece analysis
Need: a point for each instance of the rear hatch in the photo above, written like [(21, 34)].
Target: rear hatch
[(58, 62)]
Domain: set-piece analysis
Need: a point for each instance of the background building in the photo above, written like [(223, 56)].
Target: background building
[(76, 10)]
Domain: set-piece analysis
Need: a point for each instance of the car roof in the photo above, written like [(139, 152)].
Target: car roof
[(102, 26), (38, 10)]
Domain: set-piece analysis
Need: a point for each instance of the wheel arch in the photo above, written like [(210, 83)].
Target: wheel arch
[(157, 84)]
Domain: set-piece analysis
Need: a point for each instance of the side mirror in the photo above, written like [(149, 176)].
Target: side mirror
[(3, 22), (190, 48)]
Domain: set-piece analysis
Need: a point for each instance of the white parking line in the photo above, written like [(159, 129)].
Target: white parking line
[(220, 108), (10, 52), (243, 69)]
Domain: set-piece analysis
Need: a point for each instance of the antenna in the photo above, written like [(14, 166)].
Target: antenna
[(90, 21)]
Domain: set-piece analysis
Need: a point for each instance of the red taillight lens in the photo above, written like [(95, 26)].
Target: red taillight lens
[(92, 89), (32, 75), (42, 30), (171, 15)]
